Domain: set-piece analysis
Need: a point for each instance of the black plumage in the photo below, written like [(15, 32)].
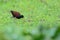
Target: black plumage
[(17, 14)]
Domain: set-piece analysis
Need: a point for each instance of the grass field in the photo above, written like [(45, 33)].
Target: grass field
[(40, 22)]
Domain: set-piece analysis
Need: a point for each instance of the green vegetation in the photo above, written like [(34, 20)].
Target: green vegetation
[(41, 20)]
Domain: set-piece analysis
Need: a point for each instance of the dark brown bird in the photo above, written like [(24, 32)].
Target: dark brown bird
[(17, 14)]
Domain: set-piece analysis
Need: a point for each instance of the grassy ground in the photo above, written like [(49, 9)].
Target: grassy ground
[(36, 13)]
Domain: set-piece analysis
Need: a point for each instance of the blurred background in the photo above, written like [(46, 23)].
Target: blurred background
[(41, 20)]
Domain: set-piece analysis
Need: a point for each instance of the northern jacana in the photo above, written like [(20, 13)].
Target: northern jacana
[(17, 14)]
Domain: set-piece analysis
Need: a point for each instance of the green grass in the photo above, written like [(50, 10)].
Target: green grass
[(36, 13)]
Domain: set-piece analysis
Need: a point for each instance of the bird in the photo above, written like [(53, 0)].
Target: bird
[(16, 14)]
